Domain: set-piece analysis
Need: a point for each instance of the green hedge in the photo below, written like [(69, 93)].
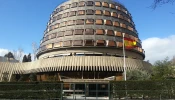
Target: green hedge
[(30, 90), (164, 89)]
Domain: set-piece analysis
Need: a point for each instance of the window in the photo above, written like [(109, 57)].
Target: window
[(105, 4), (43, 48), (78, 43), (81, 12), (106, 13), (74, 5), (54, 19), (130, 28), (116, 24), (89, 3), (61, 8), (52, 27), (67, 6), (89, 21), (118, 34), (119, 44), (49, 46), (79, 32), (60, 34), (53, 35), (99, 22), (100, 43), (71, 22), (89, 42), (57, 25), (63, 24), (114, 14), (111, 43), (127, 35), (72, 13), (118, 8), (89, 12), (120, 16), (122, 25), (68, 33), (67, 43), (80, 22), (89, 31), (98, 12), (98, 4), (110, 32), (81, 4), (59, 16), (99, 32), (65, 15), (108, 22), (59, 44), (46, 38), (112, 6)]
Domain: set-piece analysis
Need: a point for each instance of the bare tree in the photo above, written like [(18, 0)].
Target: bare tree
[(34, 47), (161, 2)]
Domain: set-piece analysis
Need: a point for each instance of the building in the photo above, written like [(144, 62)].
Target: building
[(83, 43)]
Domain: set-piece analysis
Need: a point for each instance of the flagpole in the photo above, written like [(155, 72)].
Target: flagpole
[(124, 61)]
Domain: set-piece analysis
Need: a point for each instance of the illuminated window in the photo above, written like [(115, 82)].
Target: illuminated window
[(49, 46), (68, 32), (114, 14), (78, 32), (89, 21), (57, 45), (80, 21), (118, 34), (72, 13), (71, 22), (106, 13), (67, 43), (89, 31), (116, 24), (81, 4), (100, 43), (89, 42), (108, 22), (89, 3), (112, 6), (78, 43), (99, 22), (105, 4), (60, 34), (74, 5), (100, 32), (89, 12), (98, 12), (111, 43), (122, 25), (110, 32), (81, 12), (98, 4)]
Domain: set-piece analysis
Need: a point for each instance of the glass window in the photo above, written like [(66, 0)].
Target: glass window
[(89, 42), (98, 12), (99, 22), (118, 8), (63, 24), (72, 13), (111, 43), (89, 21), (57, 25), (59, 44), (110, 32), (67, 6), (79, 32), (53, 35), (120, 16), (89, 3), (60, 34), (98, 3), (61, 8), (118, 34), (54, 19), (78, 43), (112, 6), (105, 4), (108, 22), (74, 5), (114, 14), (122, 25), (130, 28), (65, 15), (81, 12), (89, 12), (49, 46), (71, 22), (116, 24), (106, 13), (80, 22), (119, 44), (81, 4), (127, 35), (67, 43), (100, 32), (59, 16), (68, 32), (43, 48), (46, 38), (100, 43), (89, 31)]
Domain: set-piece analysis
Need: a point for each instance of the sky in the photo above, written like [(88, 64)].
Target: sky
[(23, 22)]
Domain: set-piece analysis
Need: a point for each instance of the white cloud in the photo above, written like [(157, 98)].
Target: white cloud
[(3, 51), (159, 48)]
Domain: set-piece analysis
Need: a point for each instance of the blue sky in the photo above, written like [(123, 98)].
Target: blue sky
[(24, 21)]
